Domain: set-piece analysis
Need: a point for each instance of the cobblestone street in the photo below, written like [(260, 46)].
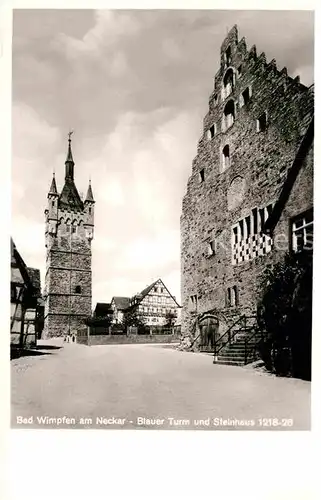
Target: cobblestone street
[(154, 386)]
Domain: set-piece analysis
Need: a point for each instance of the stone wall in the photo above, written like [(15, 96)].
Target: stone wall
[(222, 191), (124, 339)]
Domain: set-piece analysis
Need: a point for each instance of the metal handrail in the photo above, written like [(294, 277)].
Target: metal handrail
[(248, 339), (218, 348)]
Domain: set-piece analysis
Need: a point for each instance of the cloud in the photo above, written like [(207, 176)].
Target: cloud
[(109, 27), (35, 155)]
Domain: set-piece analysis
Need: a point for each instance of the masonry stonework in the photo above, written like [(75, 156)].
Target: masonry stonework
[(256, 121), (69, 232)]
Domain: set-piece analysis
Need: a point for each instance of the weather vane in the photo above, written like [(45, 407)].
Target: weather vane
[(70, 134)]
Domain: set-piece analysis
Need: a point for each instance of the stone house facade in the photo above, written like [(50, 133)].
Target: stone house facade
[(69, 232), (251, 185)]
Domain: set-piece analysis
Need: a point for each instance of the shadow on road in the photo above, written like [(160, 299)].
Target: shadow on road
[(46, 347), (19, 353)]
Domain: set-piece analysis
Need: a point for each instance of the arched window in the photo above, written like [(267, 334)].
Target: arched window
[(228, 56), (228, 83), (68, 222), (78, 289), (226, 157), (229, 114)]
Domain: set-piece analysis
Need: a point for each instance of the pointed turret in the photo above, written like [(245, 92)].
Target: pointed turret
[(69, 175), (53, 188), (90, 196), (69, 197)]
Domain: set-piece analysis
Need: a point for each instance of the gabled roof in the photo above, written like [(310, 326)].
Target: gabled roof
[(17, 261), (140, 296), (34, 275), (291, 177), (121, 303), (102, 309)]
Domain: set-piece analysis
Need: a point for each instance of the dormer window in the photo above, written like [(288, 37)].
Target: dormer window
[(229, 115), (228, 83), (226, 157)]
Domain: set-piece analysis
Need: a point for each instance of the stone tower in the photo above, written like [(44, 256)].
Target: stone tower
[(69, 232)]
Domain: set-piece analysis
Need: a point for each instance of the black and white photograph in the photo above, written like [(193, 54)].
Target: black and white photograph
[(162, 219)]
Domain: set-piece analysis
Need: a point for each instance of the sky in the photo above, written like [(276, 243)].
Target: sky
[(134, 86)]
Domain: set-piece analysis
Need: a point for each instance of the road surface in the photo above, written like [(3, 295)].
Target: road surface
[(149, 387)]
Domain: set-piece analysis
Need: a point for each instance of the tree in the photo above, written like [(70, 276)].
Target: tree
[(170, 318), (285, 313), (132, 318)]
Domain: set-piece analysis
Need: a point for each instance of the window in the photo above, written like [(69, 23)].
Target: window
[(261, 122), (202, 175), (89, 210), (232, 297), (211, 248), (226, 157), (235, 296), (245, 97), (228, 54), (161, 290), (228, 83), (302, 232), (193, 302), (53, 203), (78, 289), (215, 99), (229, 115), (228, 298), (240, 70), (73, 229), (211, 132)]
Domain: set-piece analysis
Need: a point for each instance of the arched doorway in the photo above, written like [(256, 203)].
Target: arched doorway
[(208, 332)]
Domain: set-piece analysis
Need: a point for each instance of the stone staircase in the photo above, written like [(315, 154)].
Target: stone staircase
[(237, 346), (239, 351)]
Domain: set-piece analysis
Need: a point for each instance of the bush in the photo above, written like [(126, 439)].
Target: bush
[(285, 313)]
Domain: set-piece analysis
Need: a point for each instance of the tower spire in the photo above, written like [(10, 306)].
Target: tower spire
[(53, 187), (69, 160), (89, 196)]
